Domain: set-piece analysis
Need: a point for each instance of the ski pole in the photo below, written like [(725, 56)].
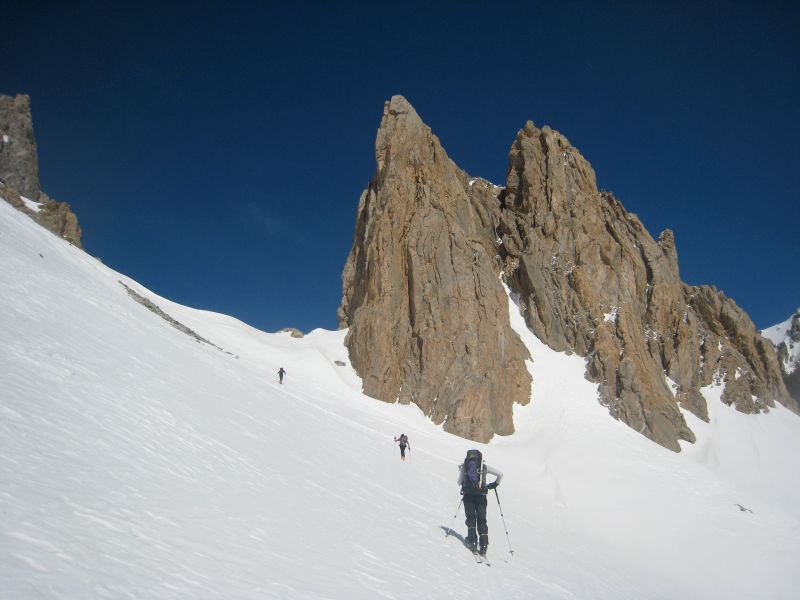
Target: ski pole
[(454, 517), (504, 521)]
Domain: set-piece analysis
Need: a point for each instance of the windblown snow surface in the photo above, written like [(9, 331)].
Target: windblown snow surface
[(137, 462)]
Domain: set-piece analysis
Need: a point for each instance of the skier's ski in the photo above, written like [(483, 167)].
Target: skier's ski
[(481, 560)]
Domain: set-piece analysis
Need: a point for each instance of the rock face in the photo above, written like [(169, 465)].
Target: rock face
[(427, 313), (19, 160), (428, 318), (792, 382), (19, 171)]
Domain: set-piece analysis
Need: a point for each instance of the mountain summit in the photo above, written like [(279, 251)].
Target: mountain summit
[(786, 338), (423, 292)]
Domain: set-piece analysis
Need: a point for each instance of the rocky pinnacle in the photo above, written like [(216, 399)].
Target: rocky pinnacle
[(19, 171), (426, 309)]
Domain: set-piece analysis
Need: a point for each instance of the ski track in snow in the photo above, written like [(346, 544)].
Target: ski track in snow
[(136, 462)]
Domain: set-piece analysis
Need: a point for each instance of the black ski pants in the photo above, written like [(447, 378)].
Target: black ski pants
[(475, 510), (402, 450)]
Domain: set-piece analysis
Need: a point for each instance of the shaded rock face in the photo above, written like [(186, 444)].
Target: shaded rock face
[(427, 312), (792, 382), (428, 318), (19, 171)]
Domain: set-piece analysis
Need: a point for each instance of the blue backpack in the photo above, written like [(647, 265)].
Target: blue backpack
[(474, 481)]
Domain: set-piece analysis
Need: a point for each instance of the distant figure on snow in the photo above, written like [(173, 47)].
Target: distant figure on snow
[(403, 439), (472, 479), (281, 373)]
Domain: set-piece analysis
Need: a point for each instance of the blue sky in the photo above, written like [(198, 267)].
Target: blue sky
[(216, 153)]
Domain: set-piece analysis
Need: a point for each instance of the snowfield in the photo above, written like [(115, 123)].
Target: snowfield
[(137, 462)]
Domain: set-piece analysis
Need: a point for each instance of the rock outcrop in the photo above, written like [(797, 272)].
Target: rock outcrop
[(427, 313), (294, 332), (19, 171)]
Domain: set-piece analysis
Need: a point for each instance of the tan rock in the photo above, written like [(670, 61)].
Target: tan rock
[(428, 318), (427, 312), (58, 218), (19, 161), (19, 171)]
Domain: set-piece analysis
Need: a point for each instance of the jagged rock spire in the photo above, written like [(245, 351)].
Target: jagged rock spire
[(427, 313)]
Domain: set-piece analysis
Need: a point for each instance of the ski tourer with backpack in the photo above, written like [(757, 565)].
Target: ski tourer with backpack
[(403, 439), (472, 479)]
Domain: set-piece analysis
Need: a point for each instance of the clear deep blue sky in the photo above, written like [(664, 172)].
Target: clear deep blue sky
[(215, 152)]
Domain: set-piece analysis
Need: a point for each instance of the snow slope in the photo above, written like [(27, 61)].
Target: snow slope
[(136, 462)]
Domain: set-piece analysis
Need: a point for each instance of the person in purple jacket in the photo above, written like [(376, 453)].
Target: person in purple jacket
[(472, 479), (403, 439)]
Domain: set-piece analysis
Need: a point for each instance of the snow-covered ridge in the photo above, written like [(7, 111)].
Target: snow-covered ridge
[(782, 334), (136, 462)]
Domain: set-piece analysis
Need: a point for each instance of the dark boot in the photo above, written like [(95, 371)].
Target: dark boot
[(484, 545), (472, 539)]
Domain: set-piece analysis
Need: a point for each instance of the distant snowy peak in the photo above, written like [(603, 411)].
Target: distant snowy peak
[(786, 338), (486, 182)]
